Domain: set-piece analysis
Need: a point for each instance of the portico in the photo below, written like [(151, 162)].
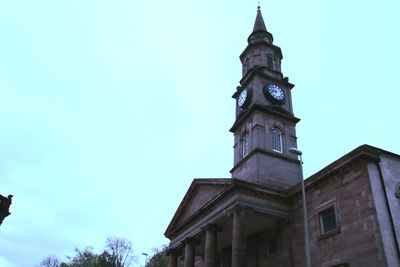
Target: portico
[(219, 233)]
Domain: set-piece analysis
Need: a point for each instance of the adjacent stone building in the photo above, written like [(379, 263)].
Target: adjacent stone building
[(255, 218)]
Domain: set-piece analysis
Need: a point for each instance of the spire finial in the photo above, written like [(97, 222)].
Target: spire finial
[(259, 23)]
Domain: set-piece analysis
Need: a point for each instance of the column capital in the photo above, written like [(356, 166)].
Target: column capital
[(239, 209), (212, 227), (190, 240)]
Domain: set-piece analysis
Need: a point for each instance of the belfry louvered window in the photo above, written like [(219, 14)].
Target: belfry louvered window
[(270, 62), (276, 140)]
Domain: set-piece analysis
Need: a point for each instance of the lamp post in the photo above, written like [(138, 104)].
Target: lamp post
[(298, 153), (145, 254)]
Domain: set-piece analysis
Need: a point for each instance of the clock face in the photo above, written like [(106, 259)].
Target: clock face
[(243, 98), (274, 93)]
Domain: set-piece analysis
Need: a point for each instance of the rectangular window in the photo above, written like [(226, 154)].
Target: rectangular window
[(328, 220)]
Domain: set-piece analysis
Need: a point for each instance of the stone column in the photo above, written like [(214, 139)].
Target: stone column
[(189, 253), (239, 242), (210, 256), (172, 258)]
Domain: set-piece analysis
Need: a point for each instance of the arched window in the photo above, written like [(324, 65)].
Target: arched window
[(246, 65), (270, 62), (276, 140), (245, 144)]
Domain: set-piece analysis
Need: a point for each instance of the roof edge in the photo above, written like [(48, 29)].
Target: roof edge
[(361, 152)]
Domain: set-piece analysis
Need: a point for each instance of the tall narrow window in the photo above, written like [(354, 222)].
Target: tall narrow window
[(276, 140), (245, 144), (270, 62)]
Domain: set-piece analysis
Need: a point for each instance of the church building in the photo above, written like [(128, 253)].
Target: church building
[(255, 218)]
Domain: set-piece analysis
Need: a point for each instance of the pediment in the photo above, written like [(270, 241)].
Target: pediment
[(200, 192)]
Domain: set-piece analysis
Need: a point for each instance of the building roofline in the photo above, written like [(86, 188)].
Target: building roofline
[(362, 152)]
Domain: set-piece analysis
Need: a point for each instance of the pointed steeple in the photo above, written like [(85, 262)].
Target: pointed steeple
[(259, 24), (259, 30), (265, 126)]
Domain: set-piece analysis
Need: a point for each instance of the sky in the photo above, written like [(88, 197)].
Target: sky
[(109, 109)]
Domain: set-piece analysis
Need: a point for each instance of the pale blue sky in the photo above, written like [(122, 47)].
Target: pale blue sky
[(109, 109)]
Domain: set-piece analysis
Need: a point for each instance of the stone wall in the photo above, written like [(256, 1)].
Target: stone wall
[(384, 177), (357, 240)]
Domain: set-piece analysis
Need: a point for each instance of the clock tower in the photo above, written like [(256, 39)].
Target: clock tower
[(264, 128)]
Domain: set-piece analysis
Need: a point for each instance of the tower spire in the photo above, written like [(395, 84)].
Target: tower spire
[(260, 32), (259, 24)]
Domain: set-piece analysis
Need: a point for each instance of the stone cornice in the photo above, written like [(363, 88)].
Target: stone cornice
[(265, 152), (260, 72), (273, 109), (262, 44)]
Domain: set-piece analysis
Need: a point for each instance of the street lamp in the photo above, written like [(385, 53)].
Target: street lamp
[(145, 254), (303, 192)]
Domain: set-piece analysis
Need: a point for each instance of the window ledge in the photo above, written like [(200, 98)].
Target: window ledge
[(329, 234)]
